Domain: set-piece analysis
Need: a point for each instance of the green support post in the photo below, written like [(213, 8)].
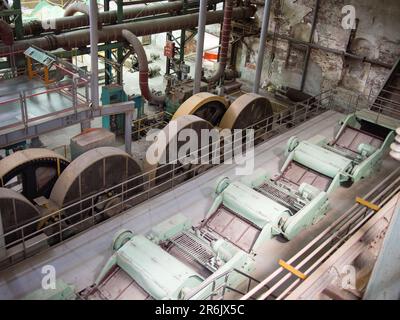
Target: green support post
[(19, 30)]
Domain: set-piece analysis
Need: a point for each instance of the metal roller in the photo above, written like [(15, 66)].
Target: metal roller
[(97, 170), (161, 153), (32, 172), (15, 211), (247, 110), (205, 105)]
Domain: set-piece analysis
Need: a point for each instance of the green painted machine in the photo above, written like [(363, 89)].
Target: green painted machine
[(115, 93), (174, 259), (354, 153)]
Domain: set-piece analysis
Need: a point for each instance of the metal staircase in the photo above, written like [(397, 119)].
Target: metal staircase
[(388, 99)]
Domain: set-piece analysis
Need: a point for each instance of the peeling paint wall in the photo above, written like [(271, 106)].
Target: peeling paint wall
[(377, 37)]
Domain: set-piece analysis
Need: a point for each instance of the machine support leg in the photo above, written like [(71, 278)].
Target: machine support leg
[(128, 132)]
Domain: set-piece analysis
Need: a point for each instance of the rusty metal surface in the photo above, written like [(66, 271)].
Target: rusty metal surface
[(351, 138), (118, 286), (238, 231), (296, 174)]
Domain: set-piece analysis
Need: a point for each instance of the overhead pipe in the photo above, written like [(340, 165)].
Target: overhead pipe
[(261, 50), (81, 38), (68, 23), (201, 29), (143, 68), (225, 37)]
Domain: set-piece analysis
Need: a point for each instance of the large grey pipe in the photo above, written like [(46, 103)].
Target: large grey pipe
[(225, 37), (81, 38), (201, 29), (261, 50), (94, 39), (67, 23), (143, 68)]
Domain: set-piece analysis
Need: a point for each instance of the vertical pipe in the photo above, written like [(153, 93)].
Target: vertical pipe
[(200, 45), (107, 53), (120, 52), (128, 131), (93, 12), (261, 50), (308, 50)]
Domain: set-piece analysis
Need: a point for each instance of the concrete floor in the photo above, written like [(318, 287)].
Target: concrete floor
[(78, 260)]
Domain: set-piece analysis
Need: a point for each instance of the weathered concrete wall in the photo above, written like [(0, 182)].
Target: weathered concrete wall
[(377, 37)]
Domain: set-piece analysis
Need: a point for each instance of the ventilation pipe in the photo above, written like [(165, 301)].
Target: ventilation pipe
[(81, 8), (201, 29), (80, 38), (225, 37), (261, 50), (75, 8), (143, 68)]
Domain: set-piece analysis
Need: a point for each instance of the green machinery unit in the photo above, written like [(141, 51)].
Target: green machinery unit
[(114, 93), (354, 153)]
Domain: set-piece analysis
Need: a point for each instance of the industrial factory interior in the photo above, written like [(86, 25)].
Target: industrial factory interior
[(199, 150)]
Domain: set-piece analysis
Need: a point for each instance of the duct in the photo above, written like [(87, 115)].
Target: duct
[(80, 38), (261, 50), (6, 33), (108, 17), (225, 36), (75, 8), (143, 68), (200, 45), (82, 8)]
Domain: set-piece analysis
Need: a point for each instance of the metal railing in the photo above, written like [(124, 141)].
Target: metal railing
[(141, 188), (57, 227), (75, 88), (219, 285), (282, 282)]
